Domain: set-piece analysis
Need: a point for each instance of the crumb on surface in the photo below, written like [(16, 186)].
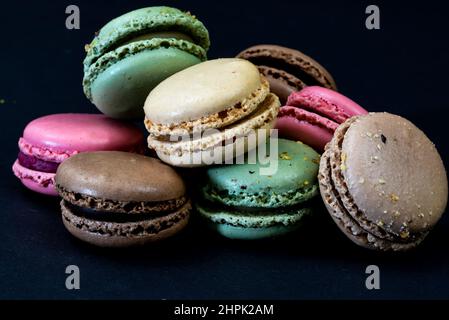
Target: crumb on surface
[(394, 197), (285, 156)]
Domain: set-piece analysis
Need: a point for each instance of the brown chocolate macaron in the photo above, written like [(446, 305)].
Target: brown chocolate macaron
[(287, 70), (120, 199), (383, 182)]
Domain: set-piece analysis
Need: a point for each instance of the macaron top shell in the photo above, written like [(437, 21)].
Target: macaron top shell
[(201, 90), (119, 176), (242, 184), (82, 132), (136, 23), (396, 177)]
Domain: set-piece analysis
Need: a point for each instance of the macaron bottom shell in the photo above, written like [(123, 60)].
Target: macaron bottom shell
[(41, 182), (241, 233), (124, 234), (239, 224), (120, 90)]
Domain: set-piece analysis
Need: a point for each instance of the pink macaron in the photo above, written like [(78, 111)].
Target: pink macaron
[(312, 115), (49, 140)]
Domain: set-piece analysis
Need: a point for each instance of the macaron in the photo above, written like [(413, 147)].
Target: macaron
[(383, 182), (121, 199), (49, 140), (131, 54), (199, 116), (287, 70), (241, 201), (312, 115)]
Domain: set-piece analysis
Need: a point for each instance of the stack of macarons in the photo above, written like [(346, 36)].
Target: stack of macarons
[(379, 177)]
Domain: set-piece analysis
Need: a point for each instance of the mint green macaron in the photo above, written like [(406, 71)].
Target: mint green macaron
[(241, 202), (133, 53)]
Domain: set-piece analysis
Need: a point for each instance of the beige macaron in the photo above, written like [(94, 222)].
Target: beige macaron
[(205, 113)]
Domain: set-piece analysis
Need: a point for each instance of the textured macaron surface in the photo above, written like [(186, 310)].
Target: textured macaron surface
[(325, 102), (142, 21), (50, 136), (201, 90), (396, 177), (119, 176), (383, 181), (288, 70), (294, 182)]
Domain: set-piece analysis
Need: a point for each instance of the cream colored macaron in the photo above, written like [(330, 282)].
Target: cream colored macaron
[(204, 114)]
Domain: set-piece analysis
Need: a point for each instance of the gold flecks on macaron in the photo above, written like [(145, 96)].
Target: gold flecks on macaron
[(404, 234), (316, 160), (285, 156), (394, 197)]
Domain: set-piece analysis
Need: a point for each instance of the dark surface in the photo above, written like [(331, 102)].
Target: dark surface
[(401, 68)]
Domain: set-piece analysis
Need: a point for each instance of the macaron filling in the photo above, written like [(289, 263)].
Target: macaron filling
[(36, 164), (151, 35), (256, 201), (112, 216), (126, 207), (261, 210)]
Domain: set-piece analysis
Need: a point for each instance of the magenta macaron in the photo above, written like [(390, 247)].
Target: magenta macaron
[(49, 140), (312, 115)]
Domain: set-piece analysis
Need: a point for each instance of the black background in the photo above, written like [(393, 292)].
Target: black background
[(401, 68)]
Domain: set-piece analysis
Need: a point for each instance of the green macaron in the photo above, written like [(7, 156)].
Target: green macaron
[(133, 53), (240, 201)]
